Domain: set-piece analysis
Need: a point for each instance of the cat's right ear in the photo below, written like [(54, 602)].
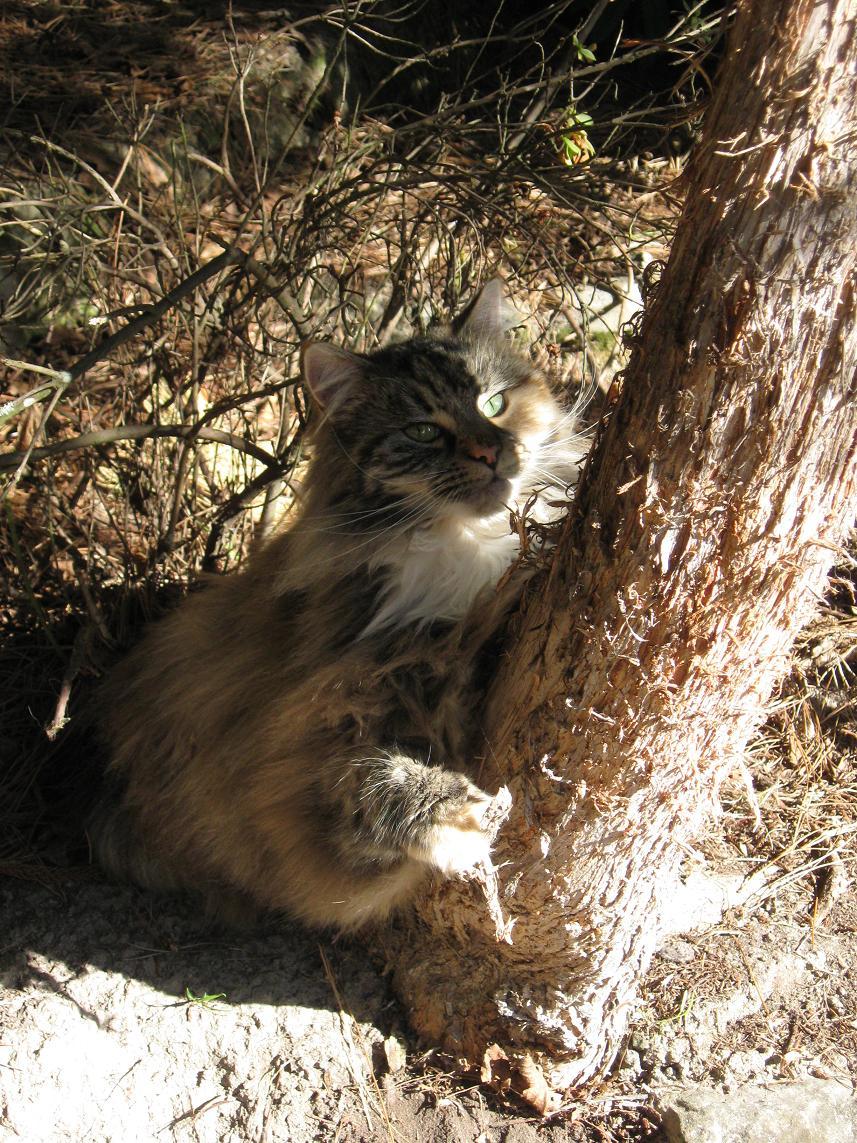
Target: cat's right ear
[(330, 373), (489, 315)]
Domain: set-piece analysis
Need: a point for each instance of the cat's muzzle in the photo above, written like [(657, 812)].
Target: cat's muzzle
[(486, 499)]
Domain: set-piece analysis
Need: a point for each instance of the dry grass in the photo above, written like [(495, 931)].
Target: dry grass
[(802, 821)]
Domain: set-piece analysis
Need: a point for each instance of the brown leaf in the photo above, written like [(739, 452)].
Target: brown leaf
[(490, 1073), (535, 1089), (395, 1054)]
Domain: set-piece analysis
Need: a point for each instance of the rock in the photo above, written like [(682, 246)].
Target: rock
[(746, 1065), (678, 1050), (631, 1064), (814, 1111), (678, 951), (700, 900), (394, 1054), (101, 1041)]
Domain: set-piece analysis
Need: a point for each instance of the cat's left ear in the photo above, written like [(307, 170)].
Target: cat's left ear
[(330, 373), (490, 313)]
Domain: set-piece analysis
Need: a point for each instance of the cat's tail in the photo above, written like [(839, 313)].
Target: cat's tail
[(115, 843), (82, 820), (67, 783)]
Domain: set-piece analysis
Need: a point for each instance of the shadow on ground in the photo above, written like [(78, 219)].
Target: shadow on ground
[(161, 942)]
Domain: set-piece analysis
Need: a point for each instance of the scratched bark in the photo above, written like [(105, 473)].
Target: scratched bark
[(713, 506)]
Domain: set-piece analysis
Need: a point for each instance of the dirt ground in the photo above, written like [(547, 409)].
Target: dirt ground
[(123, 1017)]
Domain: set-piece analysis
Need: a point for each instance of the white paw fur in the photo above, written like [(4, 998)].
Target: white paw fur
[(460, 845)]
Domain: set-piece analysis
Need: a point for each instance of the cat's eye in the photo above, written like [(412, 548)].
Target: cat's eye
[(494, 405), (424, 432)]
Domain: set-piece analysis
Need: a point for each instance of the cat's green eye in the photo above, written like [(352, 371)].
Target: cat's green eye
[(424, 432), (494, 405)]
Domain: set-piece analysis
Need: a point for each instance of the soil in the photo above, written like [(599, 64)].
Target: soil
[(124, 1017)]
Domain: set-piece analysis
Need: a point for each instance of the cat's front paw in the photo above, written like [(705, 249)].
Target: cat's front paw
[(456, 841)]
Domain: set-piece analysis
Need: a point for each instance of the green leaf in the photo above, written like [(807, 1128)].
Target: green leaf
[(205, 999), (584, 54)]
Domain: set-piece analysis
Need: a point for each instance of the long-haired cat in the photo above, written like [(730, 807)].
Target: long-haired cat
[(300, 734)]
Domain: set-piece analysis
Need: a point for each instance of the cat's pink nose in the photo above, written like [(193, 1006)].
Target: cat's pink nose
[(478, 451)]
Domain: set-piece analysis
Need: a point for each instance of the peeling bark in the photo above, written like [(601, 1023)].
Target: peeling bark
[(715, 501)]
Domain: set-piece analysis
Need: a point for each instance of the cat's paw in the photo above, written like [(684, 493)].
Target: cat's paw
[(456, 842)]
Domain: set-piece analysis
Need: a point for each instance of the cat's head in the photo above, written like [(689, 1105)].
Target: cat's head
[(448, 425)]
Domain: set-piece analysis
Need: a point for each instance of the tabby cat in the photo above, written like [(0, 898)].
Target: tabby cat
[(296, 736)]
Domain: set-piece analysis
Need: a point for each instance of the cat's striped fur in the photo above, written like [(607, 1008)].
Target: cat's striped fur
[(299, 735)]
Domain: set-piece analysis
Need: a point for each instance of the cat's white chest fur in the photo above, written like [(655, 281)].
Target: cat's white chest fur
[(438, 572)]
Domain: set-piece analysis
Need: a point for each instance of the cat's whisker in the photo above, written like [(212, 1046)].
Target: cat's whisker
[(365, 513), (375, 516), (569, 416), (411, 518), (579, 439), (408, 522), (554, 479)]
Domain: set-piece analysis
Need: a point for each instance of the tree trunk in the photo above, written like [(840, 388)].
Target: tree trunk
[(714, 503)]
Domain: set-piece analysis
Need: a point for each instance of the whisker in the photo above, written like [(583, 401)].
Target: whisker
[(553, 485), (375, 516), (408, 521)]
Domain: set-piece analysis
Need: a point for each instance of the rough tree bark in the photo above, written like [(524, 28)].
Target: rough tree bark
[(716, 499)]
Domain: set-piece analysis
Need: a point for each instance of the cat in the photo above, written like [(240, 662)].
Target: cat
[(297, 736)]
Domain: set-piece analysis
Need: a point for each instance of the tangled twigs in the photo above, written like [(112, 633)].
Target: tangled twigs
[(267, 204), (18, 460)]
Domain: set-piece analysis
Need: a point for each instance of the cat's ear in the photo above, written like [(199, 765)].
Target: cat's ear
[(330, 373), (490, 313)]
